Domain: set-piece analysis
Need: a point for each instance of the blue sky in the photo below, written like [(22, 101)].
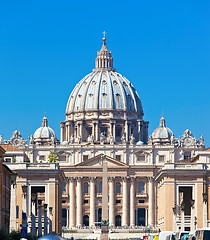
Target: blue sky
[(162, 47)]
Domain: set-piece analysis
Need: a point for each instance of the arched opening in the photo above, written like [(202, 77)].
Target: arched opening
[(85, 220), (118, 221), (99, 214)]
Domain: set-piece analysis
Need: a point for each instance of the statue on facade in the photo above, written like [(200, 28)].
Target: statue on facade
[(132, 139), (111, 141), (123, 139), (201, 140), (71, 140), (91, 139), (102, 138), (53, 140), (172, 139), (31, 140), (79, 139)]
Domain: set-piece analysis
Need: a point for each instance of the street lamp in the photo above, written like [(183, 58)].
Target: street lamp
[(192, 202), (24, 189), (50, 209), (205, 197), (39, 202), (33, 197), (174, 209), (13, 178), (182, 206)]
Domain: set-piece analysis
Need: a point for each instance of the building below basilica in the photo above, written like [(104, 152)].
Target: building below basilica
[(158, 181)]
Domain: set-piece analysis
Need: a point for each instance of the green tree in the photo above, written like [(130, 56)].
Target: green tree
[(52, 157)]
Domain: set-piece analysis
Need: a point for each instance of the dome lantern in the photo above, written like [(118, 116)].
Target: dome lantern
[(104, 60)]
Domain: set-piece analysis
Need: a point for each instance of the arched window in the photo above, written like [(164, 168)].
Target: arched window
[(141, 187), (85, 188), (118, 221), (86, 220), (118, 188)]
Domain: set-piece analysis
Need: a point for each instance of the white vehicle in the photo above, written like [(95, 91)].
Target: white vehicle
[(163, 235)]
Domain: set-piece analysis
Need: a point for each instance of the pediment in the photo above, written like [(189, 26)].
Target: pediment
[(96, 162)]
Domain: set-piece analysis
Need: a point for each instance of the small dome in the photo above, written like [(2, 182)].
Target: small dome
[(65, 143), (162, 132), (140, 143), (44, 132)]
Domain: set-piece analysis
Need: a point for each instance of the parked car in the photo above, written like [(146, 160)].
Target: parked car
[(180, 234), (202, 234), (185, 237)]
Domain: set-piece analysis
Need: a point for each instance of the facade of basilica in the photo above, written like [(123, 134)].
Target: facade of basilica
[(159, 181)]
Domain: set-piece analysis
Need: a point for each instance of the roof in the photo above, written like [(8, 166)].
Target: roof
[(10, 148)]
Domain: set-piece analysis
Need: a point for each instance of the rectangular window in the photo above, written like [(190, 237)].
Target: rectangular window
[(141, 187), (17, 211), (118, 132), (63, 201), (141, 158), (141, 201), (63, 188), (85, 201), (118, 157), (118, 188), (161, 158), (118, 201), (100, 187), (187, 155), (85, 157), (41, 158), (85, 188)]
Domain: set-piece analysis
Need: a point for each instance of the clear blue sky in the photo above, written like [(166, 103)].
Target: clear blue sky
[(162, 47)]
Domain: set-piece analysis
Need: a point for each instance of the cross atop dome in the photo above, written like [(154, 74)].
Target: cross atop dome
[(104, 60)]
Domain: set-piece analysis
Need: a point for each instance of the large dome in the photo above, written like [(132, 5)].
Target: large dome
[(104, 89), (104, 107)]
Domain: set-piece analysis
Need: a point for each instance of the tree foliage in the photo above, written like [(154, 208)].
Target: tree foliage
[(52, 157)]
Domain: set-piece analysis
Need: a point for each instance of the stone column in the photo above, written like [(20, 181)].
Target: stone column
[(111, 202), (81, 130), (126, 131), (45, 219), (105, 214), (33, 219), (71, 203), (79, 202), (151, 203), (97, 131), (132, 202), (93, 131), (114, 129), (39, 218), (62, 132), (13, 224), (92, 202), (111, 129), (68, 131), (125, 203)]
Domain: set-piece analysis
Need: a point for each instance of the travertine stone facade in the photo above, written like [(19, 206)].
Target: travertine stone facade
[(161, 181)]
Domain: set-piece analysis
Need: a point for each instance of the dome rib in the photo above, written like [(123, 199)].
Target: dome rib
[(87, 88), (122, 91)]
